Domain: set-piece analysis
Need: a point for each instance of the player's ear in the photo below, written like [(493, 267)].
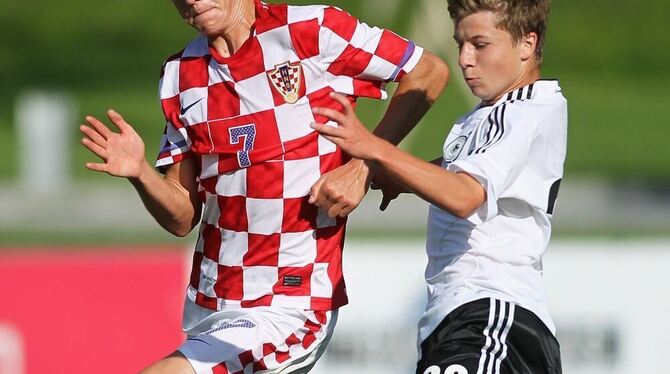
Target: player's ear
[(528, 44)]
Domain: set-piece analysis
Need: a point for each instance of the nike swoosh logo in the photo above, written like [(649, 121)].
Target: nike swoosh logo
[(185, 109), (199, 340)]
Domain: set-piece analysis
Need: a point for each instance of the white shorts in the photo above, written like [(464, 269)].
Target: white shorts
[(268, 340)]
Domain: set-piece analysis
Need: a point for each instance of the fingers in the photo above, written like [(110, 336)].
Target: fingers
[(331, 202), (335, 115), (331, 114), (346, 210), (329, 132), (99, 127), (346, 104), (325, 129), (315, 191), (118, 120), (95, 148), (93, 135), (339, 210), (96, 167), (385, 203)]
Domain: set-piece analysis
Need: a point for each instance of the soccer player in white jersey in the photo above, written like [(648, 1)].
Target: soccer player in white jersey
[(239, 157), (492, 195)]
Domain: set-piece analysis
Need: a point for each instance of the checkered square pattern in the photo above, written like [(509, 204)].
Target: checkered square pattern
[(246, 119), (273, 348)]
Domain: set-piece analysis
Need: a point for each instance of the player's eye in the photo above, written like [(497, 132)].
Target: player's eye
[(481, 45)]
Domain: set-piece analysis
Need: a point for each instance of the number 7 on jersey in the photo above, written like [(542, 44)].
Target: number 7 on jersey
[(248, 134)]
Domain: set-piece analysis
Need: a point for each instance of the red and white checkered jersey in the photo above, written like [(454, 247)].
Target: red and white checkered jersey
[(246, 119)]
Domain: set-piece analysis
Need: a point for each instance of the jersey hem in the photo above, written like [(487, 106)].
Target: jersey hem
[(544, 317), (320, 304)]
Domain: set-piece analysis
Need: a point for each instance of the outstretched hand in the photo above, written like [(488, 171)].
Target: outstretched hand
[(122, 153), (351, 136)]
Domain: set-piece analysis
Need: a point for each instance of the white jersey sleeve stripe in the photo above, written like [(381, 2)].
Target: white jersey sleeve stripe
[(496, 120)]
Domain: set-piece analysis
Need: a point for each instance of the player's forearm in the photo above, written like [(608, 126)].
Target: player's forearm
[(172, 206), (415, 94), (437, 161), (456, 193)]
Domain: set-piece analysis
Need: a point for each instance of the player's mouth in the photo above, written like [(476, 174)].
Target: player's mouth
[(471, 80), (198, 12)]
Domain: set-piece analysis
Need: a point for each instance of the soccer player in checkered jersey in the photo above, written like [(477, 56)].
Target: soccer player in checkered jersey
[(239, 156), (492, 195)]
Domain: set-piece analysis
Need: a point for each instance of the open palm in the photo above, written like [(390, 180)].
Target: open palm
[(122, 153)]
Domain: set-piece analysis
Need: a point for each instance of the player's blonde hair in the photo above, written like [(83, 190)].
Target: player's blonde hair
[(518, 17)]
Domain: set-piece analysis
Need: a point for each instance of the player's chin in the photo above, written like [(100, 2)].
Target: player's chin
[(208, 25), (206, 29), (479, 91), (485, 97)]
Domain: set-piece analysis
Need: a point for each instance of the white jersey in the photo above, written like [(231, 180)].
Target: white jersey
[(515, 149)]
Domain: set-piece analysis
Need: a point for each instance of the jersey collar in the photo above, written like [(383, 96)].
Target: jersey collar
[(527, 92)]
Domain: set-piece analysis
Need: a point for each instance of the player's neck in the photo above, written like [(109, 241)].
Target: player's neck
[(524, 80), (239, 32)]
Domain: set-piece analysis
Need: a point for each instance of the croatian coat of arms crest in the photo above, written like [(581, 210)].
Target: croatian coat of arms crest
[(286, 80)]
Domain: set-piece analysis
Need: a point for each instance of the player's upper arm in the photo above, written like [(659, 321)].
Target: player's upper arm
[(500, 152), (430, 75), (430, 65), (474, 197)]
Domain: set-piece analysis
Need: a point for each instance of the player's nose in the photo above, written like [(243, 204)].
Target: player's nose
[(465, 57)]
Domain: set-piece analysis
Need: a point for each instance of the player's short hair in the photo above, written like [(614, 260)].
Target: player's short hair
[(518, 17)]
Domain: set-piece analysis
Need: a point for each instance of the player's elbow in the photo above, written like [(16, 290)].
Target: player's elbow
[(465, 210), (442, 72), (180, 232), (177, 230), (180, 226), (436, 71), (464, 204)]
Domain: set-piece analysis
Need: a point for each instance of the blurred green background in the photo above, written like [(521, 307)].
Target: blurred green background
[(611, 57)]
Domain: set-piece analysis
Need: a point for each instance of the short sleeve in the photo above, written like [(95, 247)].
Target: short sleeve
[(498, 154), (351, 48), (175, 143), (174, 146)]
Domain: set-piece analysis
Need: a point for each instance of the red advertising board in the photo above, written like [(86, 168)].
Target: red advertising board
[(102, 310)]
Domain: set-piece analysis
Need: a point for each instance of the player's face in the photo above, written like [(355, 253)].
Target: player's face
[(492, 64), (212, 17)]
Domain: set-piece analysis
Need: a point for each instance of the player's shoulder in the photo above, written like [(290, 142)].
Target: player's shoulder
[(196, 47), (533, 101), (537, 94), (299, 13), (325, 14)]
